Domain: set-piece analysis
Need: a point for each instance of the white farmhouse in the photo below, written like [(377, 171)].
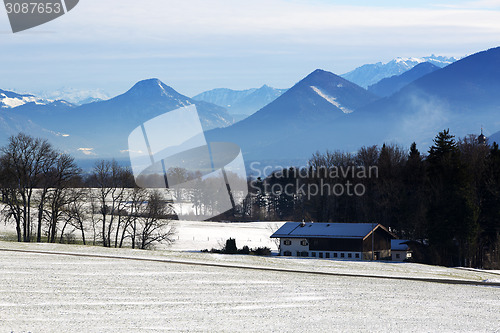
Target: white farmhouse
[(351, 241)]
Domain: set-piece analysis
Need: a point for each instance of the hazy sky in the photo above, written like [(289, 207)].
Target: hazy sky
[(196, 45)]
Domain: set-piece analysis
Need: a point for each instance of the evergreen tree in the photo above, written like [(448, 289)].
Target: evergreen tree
[(489, 221), (413, 203), (452, 215), (390, 187)]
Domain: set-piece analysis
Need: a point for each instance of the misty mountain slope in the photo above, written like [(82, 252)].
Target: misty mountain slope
[(12, 124), (320, 98), (391, 85), (494, 138), (223, 96), (102, 128), (107, 124), (148, 99), (243, 102), (370, 74), (461, 97), (38, 120)]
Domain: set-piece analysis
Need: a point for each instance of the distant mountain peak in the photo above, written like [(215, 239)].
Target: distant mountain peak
[(76, 96), (320, 75), (370, 74), (319, 72), (152, 87)]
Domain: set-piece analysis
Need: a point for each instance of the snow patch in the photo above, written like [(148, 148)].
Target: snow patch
[(411, 59), (10, 102), (331, 100)]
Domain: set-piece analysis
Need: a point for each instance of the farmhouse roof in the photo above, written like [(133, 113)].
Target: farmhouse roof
[(328, 230), (399, 245)]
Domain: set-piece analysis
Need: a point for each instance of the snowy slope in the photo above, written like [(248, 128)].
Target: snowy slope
[(9, 99), (72, 294), (331, 100)]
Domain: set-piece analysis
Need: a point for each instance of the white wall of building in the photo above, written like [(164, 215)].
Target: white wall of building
[(293, 245), (299, 247), (400, 255)]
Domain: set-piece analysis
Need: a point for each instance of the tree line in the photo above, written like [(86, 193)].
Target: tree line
[(445, 201), (48, 197)]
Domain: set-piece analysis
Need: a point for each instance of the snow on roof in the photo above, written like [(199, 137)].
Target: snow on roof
[(325, 230), (396, 245)]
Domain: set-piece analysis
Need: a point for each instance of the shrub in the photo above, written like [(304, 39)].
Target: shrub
[(230, 247), (244, 250), (262, 251)]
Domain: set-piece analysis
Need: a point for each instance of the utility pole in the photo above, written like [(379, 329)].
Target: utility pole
[(373, 243)]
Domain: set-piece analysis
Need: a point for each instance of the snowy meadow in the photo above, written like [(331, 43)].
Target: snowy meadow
[(43, 292)]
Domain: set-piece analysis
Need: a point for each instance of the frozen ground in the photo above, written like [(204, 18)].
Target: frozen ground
[(196, 236), (52, 293)]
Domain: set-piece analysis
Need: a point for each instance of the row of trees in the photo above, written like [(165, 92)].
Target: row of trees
[(47, 197), (447, 200)]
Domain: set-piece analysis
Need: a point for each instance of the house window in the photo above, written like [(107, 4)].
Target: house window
[(335, 255), (287, 253), (298, 253), (321, 254), (398, 256), (304, 242), (342, 255), (287, 242), (349, 255), (328, 255), (313, 254), (357, 255), (305, 254)]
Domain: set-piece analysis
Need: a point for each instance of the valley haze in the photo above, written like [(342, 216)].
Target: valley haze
[(284, 126)]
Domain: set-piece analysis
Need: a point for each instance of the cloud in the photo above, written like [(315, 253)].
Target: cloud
[(126, 151), (196, 45), (482, 4), (153, 21), (87, 151)]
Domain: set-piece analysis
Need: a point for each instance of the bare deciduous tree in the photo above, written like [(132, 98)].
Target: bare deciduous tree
[(111, 181), (23, 163), (152, 227)]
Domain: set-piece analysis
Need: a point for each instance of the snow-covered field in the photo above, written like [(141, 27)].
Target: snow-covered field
[(196, 236), (54, 293)]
